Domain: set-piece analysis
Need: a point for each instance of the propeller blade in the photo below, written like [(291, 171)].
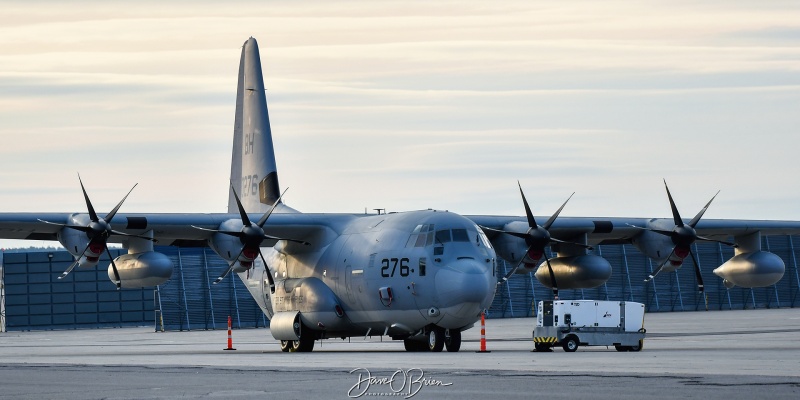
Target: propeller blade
[(513, 270), (117, 281), (269, 273), (660, 267), (227, 271), (585, 246), (531, 221), (515, 234), (75, 264), (699, 215), (230, 267), (68, 270), (266, 215), (75, 227), (113, 212), (700, 286), (92, 214), (697, 272), (659, 231), (242, 213), (118, 233), (552, 277), (705, 239), (553, 218), (675, 214), (289, 240), (229, 233)]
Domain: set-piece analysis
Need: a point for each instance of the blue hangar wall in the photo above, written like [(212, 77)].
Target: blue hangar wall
[(35, 299)]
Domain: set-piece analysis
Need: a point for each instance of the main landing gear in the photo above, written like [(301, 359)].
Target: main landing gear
[(435, 339), (297, 346)]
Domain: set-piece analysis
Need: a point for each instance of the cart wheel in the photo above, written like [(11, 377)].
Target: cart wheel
[(621, 348), (638, 346), (570, 344)]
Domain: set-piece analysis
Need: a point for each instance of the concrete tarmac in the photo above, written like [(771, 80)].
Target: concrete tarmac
[(708, 355)]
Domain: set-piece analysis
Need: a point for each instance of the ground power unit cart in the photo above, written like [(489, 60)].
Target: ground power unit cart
[(575, 323)]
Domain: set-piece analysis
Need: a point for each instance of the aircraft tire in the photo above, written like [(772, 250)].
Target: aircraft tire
[(436, 339), (286, 345), (452, 340), (415, 345), (305, 344)]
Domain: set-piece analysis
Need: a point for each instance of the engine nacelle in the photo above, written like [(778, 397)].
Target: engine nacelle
[(512, 249), (575, 272), (751, 269), (229, 247), (142, 269), (659, 247), (75, 242)]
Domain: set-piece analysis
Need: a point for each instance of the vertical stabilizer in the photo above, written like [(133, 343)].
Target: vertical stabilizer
[(253, 171)]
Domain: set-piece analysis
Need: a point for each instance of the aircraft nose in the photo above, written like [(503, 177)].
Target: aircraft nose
[(465, 281)]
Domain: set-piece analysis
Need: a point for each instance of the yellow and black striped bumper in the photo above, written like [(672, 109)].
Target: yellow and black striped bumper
[(545, 339)]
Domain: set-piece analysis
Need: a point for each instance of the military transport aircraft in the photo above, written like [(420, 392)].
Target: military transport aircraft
[(419, 276)]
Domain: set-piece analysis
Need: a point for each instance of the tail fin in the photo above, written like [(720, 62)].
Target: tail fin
[(253, 170)]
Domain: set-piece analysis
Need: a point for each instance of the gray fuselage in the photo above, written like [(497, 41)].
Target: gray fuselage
[(391, 274)]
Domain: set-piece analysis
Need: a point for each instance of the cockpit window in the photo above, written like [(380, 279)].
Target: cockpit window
[(484, 239), (460, 235), (421, 236), (442, 236)]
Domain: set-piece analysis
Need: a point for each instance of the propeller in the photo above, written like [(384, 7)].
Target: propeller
[(537, 238), (251, 236), (683, 236), (98, 231)]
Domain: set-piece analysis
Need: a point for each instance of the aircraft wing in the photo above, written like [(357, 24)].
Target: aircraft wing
[(170, 229), (622, 230)]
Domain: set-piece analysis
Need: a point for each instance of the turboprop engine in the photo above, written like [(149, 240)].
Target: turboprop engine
[(578, 269), (239, 241), (91, 232), (78, 244), (231, 248)]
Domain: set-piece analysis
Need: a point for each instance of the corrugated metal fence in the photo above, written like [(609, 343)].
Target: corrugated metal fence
[(675, 291), (36, 299)]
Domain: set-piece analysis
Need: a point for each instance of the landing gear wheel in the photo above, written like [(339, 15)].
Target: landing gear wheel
[(286, 345), (305, 344), (544, 347), (570, 344), (637, 347), (436, 339), (415, 345), (452, 340)]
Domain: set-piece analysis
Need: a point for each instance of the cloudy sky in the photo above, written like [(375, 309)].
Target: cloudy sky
[(408, 105)]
